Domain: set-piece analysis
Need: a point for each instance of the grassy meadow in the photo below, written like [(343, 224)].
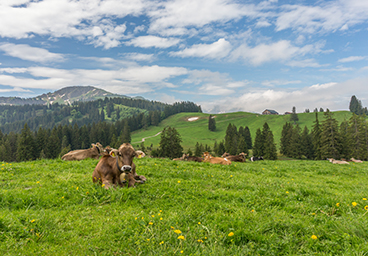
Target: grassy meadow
[(197, 131), (51, 207)]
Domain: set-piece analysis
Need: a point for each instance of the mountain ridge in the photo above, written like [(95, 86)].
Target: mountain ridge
[(66, 96)]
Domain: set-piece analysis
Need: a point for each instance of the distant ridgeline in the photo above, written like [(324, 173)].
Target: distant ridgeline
[(38, 131), (13, 118)]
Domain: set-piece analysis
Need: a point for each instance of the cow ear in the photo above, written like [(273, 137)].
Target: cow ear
[(114, 153), (93, 145)]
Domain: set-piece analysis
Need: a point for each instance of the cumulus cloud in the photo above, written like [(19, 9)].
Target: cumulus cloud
[(334, 96), (216, 50), (282, 51), (26, 52), (153, 41), (353, 58)]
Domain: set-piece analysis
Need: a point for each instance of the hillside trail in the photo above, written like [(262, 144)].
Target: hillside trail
[(143, 139)]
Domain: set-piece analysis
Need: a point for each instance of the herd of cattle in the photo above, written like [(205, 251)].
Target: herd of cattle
[(116, 167)]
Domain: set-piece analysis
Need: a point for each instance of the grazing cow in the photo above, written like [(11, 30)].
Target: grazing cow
[(255, 158), (238, 158), (355, 160), (80, 154), (337, 161), (215, 160), (110, 168), (187, 157)]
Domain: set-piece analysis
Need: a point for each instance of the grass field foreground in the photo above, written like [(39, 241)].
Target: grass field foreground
[(51, 207)]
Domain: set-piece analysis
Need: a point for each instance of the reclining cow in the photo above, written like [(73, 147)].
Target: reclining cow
[(215, 160), (187, 157), (114, 168), (355, 160), (237, 158), (334, 161), (255, 158), (94, 152)]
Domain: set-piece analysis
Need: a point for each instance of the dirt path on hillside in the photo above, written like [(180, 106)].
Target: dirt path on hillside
[(143, 139)]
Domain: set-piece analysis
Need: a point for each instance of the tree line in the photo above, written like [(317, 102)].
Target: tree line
[(13, 118), (56, 141), (327, 139)]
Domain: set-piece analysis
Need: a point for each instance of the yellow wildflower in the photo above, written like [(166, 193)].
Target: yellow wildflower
[(200, 241), (162, 242), (252, 210), (102, 185), (38, 182), (365, 199), (151, 223), (177, 231), (354, 204), (366, 207), (338, 204), (181, 237), (181, 251), (153, 216), (314, 237), (77, 188), (231, 234), (287, 192), (32, 220), (160, 218), (199, 223)]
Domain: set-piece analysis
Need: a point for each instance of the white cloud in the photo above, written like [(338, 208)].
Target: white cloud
[(13, 70), (210, 89), (353, 58), (27, 52), (337, 69), (15, 89), (172, 17), (153, 41), (273, 83), (282, 51), (124, 81), (216, 50), (329, 16), (139, 57), (334, 96)]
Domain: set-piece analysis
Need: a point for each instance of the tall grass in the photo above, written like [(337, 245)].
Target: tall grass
[(51, 207)]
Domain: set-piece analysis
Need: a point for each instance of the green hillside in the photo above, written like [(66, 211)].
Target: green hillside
[(197, 131)]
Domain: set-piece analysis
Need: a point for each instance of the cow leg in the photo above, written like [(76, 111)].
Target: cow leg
[(140, 179)]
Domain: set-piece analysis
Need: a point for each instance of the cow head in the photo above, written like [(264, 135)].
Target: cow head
[(124, 157), (99, 147)]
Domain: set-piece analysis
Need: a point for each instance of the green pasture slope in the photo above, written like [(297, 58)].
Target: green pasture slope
[(51, 207), (197, 131)]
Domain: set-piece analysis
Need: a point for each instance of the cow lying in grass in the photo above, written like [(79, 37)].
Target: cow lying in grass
[(337, 161), (238, 158), (255, 158), (187, 157), (94, 152), (215, 160), (118, 166), (355, 160)]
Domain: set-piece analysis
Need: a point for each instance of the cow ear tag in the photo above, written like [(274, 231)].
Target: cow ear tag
[(112, 154)]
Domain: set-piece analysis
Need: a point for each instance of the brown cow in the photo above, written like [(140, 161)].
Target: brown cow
[(355, 160), (238, 158), (337, 161), (215, 160), (110, 168), (80, 154), (187, 157)]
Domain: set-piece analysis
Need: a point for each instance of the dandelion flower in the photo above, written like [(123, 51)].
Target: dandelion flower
[(200, 241), (313, 213), (136, 218), (231, 234), (162, 242), (159, 214), (199, 223), (160, 210), (38, 182), (365, 199), (231, 175), (102, 185), (314, 237), (338, 204), (354, 204), (77, 188), (151, 223), (160, 218), (172, 227), (366, 207), (177, 231), (87, 193), (181, 237), (287, 192), (178, 181), (252, 210), (147, 239), (181, 251), (62, 197), (32, 220), (153, 216)]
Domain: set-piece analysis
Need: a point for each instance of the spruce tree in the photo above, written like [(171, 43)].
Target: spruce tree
[(211, 123), (125, 136), (231, 139), (26, 145), (357, 137), (295, 150), (258, 147), (345, 138), (170, 143), (285, 140), (307, 144), (242, 145), (247, 137), (269, 146), (197, 150), (330, 141), (316, 139), (355, 105), (294, 116)]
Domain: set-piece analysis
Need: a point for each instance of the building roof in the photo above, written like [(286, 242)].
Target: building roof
[(271, 111)]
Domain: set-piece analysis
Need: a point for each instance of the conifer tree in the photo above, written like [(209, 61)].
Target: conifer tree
[(285, 140), (295, 150), (258, 147), (247, 137), (211, 123), (294, 116), (197, 150), (170, 143), (125, 135), (330, 141), (269, 146), (357, 137), (53, 145), (242, 146), (307, 144), (345, 138), (355, 106), (316, 139), (26, 145), (231, 139)]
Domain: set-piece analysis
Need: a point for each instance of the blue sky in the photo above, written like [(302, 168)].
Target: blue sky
[(225, 55)]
